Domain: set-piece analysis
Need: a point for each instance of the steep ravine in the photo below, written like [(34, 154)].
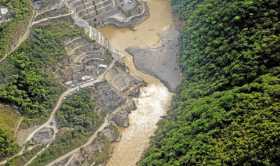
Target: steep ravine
[(155, 98)]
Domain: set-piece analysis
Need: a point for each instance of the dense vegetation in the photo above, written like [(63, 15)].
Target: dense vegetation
[(9, 33), (7, 147), (227, 108), (12, 30), (26, 78), (77, 119), (79, 112), (25, 157), (9, 120), (8, 123)]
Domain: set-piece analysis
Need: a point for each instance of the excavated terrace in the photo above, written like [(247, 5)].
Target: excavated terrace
[(91, 62)]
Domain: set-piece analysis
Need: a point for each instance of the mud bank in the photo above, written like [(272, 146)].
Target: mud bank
[(161, 61), (155, 98)]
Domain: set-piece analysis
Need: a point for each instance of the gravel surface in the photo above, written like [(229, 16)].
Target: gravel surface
[(162, 60)]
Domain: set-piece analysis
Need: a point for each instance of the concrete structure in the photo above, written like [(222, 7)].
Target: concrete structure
[(104, 12), (5, 14)]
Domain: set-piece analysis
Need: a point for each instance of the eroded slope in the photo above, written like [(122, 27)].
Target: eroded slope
[(45, 80)]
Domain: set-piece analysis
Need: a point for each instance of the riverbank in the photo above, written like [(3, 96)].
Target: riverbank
[(152, 104), (155, 98), (161, 61), (116, 91), (226, 112)]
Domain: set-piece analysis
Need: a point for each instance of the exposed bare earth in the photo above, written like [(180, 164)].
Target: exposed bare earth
[(154, 99), (161, 61), (154, 45)]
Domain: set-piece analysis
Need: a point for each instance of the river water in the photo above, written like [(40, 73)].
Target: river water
[(155, 99)]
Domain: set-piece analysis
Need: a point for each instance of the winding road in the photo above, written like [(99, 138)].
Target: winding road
[(52, 18), (105, 124), (29, 27), (21, 39), (50, 122)]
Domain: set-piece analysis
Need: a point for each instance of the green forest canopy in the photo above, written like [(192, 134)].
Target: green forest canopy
[(77, 119), (26, 78), (12, 30), (227, 108)]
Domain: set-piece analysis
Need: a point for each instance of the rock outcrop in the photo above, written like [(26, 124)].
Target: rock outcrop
[(43, 136), (107, 96), (120, 116)]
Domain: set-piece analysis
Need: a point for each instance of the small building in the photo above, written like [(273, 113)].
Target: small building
[(5, 15), (4, 11), (86, 77)]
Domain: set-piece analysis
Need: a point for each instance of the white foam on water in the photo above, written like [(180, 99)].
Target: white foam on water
[(155, 99), (152, 104)]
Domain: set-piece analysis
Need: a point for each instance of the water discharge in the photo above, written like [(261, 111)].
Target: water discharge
[(154, 99), (151, 105)]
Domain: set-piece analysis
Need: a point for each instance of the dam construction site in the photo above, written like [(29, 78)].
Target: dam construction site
[(139, 82), (111, 66)]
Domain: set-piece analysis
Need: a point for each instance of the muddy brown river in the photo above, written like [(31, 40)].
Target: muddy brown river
[(155, 98)]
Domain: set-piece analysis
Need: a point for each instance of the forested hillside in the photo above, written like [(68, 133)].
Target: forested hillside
[(227, 108), (12, 30), (27, 81), (9, 33)]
